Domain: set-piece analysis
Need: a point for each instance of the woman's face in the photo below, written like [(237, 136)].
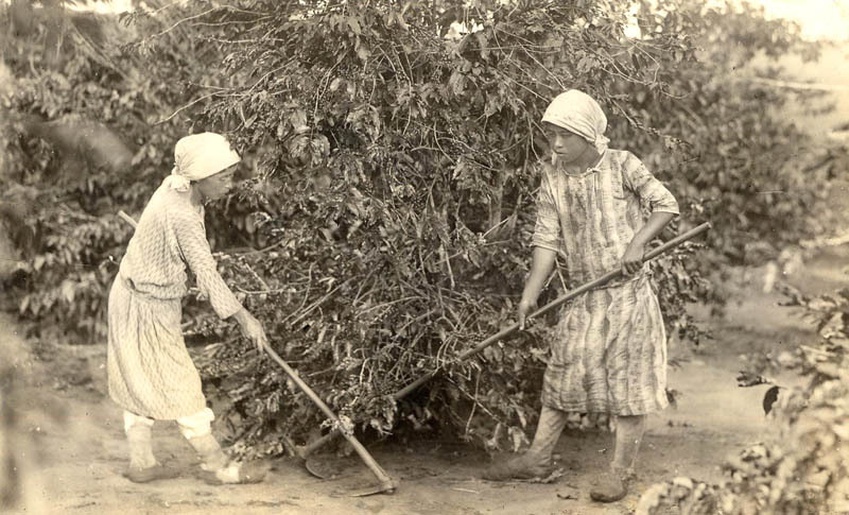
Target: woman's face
[(568, 146), (217, 186)]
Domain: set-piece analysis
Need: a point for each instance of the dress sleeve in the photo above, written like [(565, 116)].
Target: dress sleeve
[(547, 230), (191, 240), (651, 191)]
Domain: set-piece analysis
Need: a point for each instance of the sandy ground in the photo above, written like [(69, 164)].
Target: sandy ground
[(72, 449)]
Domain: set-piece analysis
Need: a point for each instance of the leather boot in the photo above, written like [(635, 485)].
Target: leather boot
[(219, 469), (210, 452), (143, 465), (523, 467), (536, 463), (612, 486)]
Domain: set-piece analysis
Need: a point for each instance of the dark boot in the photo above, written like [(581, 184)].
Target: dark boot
[(536, 463), (523, 467), (148, 474), (218, 469), (210, 452), (612, 486), (143, 465)]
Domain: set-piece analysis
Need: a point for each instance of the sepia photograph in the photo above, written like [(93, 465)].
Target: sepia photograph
[(424, 257)]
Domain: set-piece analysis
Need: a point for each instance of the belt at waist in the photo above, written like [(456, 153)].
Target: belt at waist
[(150, 291)]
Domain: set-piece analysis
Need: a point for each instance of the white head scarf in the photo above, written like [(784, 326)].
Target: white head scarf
[(578, 112), (199, 156)]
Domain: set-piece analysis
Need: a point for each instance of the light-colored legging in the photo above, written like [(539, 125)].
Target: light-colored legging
[(192, 426), (629, 435), (196, 428)]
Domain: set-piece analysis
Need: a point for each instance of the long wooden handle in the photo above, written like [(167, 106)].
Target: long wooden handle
[(507, 331), (127, 218), (386, 482)]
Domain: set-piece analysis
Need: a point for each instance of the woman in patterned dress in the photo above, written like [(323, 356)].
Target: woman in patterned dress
[(609, 351), (151, 375)]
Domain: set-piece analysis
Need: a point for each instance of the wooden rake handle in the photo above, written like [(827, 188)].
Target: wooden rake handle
[(127, 218), (386, 482), (507, 331)]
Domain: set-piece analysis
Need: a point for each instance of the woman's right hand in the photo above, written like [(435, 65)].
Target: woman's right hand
[(543, 262), (524, 309), (251, 329)]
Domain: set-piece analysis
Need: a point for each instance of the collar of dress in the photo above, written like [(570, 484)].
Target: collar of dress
[(597, 167)]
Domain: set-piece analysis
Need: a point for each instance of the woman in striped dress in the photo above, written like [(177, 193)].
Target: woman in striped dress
[(598, 208), (151, 375)]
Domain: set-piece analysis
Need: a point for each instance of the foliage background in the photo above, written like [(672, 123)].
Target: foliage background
[(385, 220), (802, 468)]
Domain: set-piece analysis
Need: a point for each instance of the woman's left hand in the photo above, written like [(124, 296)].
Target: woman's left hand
[(632, 261)]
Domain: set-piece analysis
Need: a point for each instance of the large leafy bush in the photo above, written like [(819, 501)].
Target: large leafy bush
[(398, 193)]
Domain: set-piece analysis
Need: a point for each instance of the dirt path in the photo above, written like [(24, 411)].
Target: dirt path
[(73, 442)]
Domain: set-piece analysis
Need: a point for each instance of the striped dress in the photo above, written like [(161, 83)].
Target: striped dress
[(608, 354), (150, 371)]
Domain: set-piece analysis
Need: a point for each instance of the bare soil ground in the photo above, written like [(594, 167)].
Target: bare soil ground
[(72, 451)]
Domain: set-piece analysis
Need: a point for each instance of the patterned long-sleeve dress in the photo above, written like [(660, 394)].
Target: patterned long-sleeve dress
[(150, 371), (609, 350)]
